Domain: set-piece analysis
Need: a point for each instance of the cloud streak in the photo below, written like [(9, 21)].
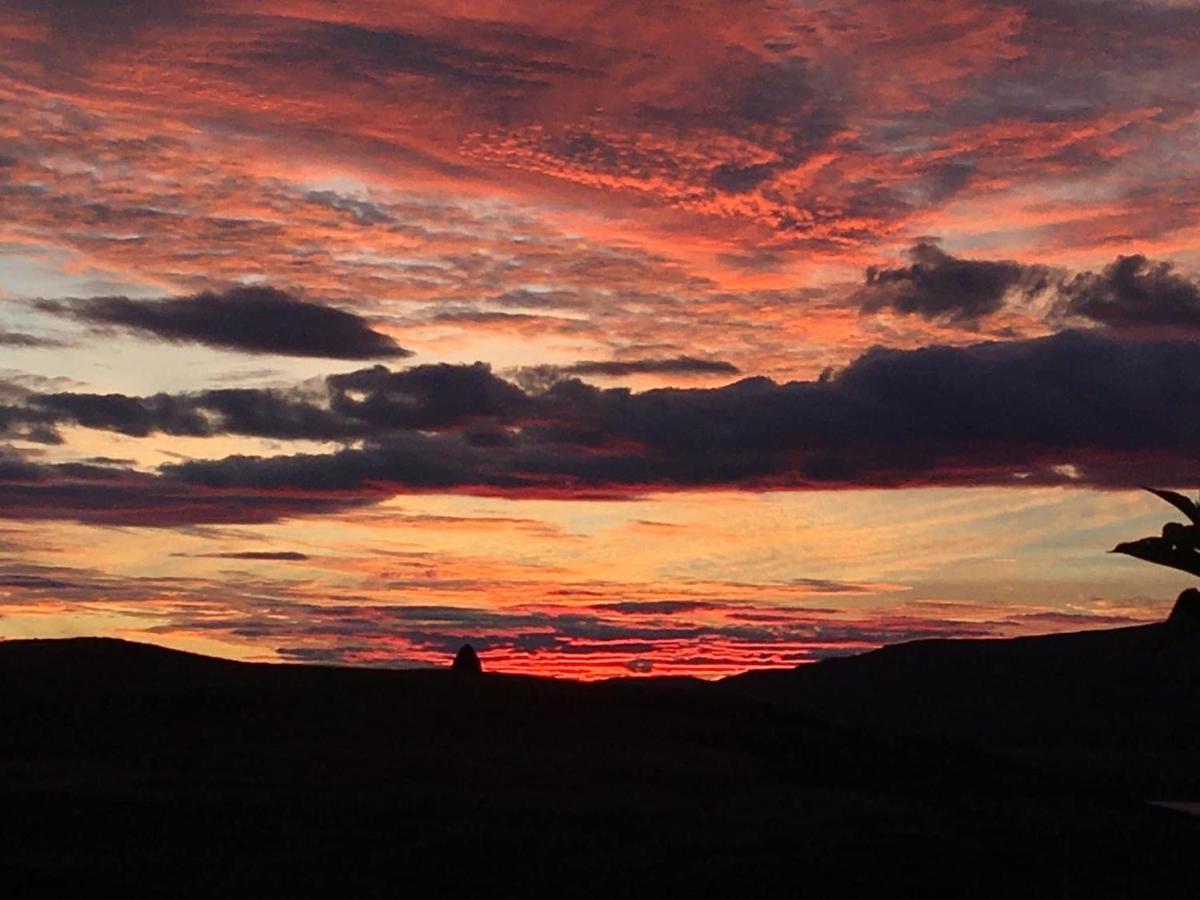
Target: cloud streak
[(245, 319), (20, 340), (257, 555), (678, 365)]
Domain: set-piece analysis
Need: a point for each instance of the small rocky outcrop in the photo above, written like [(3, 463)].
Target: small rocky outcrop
[(466, 662), (1185, 616)]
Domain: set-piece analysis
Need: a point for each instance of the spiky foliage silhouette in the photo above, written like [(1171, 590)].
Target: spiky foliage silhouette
[(1179, 545)]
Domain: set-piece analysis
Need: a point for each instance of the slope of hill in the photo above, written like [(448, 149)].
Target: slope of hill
[(1120, 707), (132, 768)]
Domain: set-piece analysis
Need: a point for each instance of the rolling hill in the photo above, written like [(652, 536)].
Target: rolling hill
[(126, 767), (1118, 707)]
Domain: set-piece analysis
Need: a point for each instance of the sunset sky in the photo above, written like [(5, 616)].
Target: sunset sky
[(611, 337)]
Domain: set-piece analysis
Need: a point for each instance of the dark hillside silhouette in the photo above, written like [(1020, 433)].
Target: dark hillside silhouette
[(1120, 707), (132, 769)]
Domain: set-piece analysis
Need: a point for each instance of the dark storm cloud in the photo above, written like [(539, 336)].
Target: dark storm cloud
[(245, 411), (679, 365), (1135, 292), (433, 396), (418, 461), (941, 287), (137, 416), (28, 424), (1132, 292), (1120, 411), (366, 403), (245, 319), (1094, 408)]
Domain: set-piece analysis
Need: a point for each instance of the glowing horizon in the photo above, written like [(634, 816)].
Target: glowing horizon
[(611, 339)]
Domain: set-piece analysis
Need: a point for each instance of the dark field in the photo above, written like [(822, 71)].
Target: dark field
[(127, 768)]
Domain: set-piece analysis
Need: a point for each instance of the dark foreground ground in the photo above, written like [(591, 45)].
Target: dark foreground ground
[(131, 770), (1119, 708)]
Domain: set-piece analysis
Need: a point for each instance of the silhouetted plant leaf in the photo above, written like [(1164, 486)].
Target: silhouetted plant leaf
[(1179, 545), (1185, 505), (1163, 553)]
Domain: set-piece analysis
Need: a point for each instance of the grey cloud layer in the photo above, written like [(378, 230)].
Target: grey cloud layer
[(1118, 410), (1083, 407)]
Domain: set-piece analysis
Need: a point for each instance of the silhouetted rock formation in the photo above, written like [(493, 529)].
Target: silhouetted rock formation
[(1186, 612), (467, 662)]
